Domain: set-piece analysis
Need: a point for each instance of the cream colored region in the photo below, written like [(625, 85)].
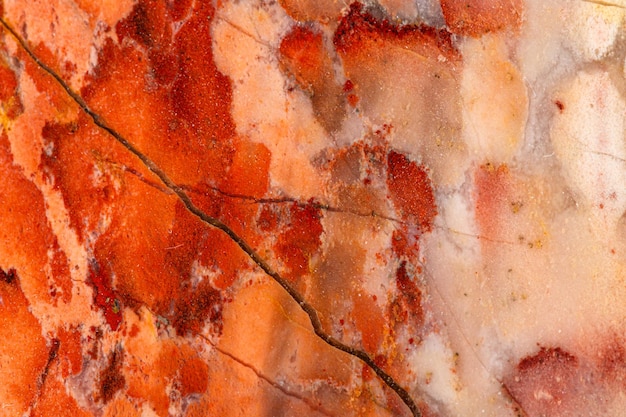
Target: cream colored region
[(495, 103), (263, 111), (588, 138), (593, 27)]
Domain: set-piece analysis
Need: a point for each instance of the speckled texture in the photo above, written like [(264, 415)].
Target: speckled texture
[(442, 182)]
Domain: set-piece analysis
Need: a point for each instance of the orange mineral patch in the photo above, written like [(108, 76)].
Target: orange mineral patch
[(20, 333), (493, 187), (25, 235), (477, 17), (369, 321)]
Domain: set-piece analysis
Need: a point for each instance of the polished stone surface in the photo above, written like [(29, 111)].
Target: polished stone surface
[(442, 184)]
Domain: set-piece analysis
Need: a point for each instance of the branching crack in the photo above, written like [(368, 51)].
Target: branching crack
[(257, 200), (217, 223)]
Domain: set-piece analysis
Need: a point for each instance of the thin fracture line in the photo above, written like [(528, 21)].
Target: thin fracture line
[(212, 221)]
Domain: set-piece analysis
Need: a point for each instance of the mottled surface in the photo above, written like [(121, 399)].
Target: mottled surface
[(442, 182)]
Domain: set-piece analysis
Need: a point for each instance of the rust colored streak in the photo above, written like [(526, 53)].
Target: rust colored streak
[(111, 379), (411, 191), (410, 293), (52, 355), (312, 10)]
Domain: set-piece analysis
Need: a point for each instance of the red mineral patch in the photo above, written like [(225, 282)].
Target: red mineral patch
[(10, 101), (411, 191), (304, 56), (477, 17), (24, 230), (54, 399), (300, 238), (176, 367), (194, 376), (551, 382), (410, 296), (247, 180), (404, 243)]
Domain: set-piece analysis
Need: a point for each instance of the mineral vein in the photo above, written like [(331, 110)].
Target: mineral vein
[(214, 222)]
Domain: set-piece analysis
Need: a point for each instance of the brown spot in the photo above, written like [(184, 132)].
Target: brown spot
[(547, 357), (9, 276), (111, 379), (559, 104)]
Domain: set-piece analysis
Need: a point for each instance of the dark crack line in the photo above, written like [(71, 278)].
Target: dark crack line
[(265, 378), (299, 203), (212, 221), (518, 408), (256, 200)]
